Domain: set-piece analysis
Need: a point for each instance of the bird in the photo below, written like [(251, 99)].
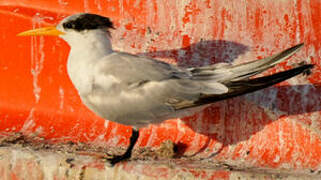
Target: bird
[(137, 91)]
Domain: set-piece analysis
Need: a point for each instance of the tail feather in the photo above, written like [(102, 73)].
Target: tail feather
[(237, 88), (238, 72), (247, 86), (249, 69)]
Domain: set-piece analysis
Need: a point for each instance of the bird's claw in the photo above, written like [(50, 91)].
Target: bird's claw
[(117, 159)]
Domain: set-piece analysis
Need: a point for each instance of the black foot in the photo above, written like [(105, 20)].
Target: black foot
[(117, 159), (128, 153)]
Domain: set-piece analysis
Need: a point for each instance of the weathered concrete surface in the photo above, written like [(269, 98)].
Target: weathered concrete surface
[(25, 157), (277, 128), (24, 163)]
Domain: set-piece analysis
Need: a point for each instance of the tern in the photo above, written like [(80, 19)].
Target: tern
[(137, 91)]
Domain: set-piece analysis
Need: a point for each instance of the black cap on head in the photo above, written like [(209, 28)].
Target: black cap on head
[(88, 21)]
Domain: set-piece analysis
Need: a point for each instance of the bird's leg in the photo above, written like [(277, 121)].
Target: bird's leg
[(128, 153)]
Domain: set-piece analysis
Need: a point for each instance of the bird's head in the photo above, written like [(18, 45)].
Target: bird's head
[(75, 27)]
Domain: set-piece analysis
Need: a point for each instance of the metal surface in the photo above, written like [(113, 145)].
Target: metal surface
[(276, 128)]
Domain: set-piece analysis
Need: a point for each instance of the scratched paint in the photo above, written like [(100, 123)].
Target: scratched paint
[(278, 127), (36, 61)]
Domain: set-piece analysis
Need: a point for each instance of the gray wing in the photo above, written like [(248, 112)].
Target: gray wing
[(130, 72), (141, 89)]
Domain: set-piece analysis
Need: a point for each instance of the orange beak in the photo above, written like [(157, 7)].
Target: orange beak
[(46, 31)]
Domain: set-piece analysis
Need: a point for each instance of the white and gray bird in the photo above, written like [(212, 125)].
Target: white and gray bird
[(137, 91)]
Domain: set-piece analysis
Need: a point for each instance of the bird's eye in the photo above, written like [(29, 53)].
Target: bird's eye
[(67, 25)]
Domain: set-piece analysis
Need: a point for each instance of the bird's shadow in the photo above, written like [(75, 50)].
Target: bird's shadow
[(202, 53), (237, 119)]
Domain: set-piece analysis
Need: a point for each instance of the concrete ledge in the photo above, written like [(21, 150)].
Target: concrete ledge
[(26, 163)]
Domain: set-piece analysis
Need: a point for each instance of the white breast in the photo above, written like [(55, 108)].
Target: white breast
[(86, 50), (80, 73)]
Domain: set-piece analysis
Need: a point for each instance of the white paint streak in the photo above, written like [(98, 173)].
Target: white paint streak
[(29, 123), (62, 98), (181, 130), (36, 61), (98, 5), (195, 143), (136, 4), (114, 138), (106, 124), (100, 140), (151, 137), (86, 5), (121, 7), (63, 2), (39, 130), (281, 141), (315, 121), (86, 136)]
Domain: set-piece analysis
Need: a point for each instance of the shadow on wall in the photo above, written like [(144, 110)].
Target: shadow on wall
[(202, 53), (237, 119)]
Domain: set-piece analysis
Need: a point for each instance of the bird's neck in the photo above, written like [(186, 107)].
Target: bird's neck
[(85, 52), (91, 46)]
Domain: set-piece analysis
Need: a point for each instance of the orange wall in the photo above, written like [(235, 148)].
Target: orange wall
[(278, 127)]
